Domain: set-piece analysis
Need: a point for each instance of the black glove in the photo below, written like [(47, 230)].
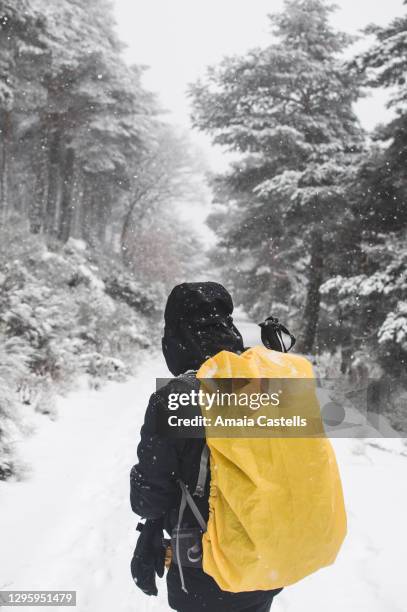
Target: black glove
[(149, 556)]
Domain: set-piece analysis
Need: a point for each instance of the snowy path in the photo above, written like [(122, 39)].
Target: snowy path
[(69, 525)]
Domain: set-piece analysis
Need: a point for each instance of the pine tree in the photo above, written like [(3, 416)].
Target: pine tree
[(287, 110), (90, 116), (373, 299), (384, 174), (74, 118), (22, 41), (371, 305)]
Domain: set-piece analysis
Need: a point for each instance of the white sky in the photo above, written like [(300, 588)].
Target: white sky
[(178, 39)]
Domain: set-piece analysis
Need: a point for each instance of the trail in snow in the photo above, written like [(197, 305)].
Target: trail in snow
[(69, 525)]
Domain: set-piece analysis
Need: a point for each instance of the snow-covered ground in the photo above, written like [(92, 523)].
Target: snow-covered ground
[(69, 524)]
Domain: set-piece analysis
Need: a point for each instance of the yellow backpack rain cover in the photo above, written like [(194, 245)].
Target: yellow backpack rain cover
[(276, 509)]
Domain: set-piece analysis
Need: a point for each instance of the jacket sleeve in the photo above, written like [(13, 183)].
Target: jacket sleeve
[(153, 486)]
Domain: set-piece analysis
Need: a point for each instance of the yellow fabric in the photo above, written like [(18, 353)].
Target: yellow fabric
[(276, 505)]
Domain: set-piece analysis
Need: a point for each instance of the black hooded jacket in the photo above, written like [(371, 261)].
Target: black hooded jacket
[(198, 324)]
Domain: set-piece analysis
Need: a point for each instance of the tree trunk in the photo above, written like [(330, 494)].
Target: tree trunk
[(89, 210), (94, 218), (66, 210), (54, 161), (84, 207), (37, 200), (77, 199), (125, 236), (313, 299), (4, 170), (103, 214)]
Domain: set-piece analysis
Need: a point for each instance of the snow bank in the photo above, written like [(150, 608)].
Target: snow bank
[(69, 526)]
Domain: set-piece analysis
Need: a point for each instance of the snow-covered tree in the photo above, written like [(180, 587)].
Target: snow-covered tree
[(384, 65), (287, 110), (76, 123), (371, 302), (81, 147), (167, 173), (371, 306), (94, 119), (22, 42)]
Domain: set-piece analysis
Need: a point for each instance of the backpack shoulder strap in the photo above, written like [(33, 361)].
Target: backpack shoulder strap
[(188, 499), (203, 472)]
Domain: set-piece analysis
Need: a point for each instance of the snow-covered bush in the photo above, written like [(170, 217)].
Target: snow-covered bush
[(63, 314), (103, 368), (13, 370), (121, 287)]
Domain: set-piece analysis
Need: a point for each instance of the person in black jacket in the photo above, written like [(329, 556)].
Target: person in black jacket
[(198, 324)]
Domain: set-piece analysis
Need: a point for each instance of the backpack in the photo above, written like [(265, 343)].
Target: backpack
[(276, 508)]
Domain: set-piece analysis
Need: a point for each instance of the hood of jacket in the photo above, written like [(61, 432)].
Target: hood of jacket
[(198, 325)]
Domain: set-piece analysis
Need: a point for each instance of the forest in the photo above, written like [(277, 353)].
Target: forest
[(90, 237), (310, 217)]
